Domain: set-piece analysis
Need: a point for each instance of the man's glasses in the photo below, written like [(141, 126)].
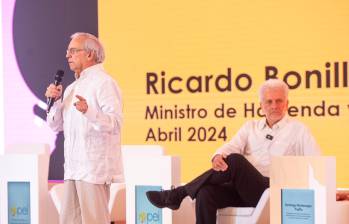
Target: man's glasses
[(73, 50)]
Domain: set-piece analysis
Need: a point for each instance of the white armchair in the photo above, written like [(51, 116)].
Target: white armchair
[(246, 215)]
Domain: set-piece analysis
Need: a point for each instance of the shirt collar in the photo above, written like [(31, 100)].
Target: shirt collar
[(88, 70), (280, 124)]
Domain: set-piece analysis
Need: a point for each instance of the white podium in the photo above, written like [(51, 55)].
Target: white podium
[(317, 173), (149, 167), (26, 164)]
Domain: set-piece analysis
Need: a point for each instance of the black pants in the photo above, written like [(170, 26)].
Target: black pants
[(241, 185)]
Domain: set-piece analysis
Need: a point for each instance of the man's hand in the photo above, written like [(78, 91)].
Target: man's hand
[(54, 91), (81, 104), (342, 195), (218, 163)]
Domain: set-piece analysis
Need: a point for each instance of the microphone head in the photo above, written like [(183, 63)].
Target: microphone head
[(58, 79), (59, 73), (58, 76)]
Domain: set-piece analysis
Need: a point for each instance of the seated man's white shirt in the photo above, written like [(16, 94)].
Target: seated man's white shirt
[(289, 138)]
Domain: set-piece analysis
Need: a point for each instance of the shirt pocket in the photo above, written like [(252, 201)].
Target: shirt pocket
[(283, 147)]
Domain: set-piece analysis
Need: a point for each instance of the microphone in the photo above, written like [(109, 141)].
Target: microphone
[(57, 82), (269, 137)]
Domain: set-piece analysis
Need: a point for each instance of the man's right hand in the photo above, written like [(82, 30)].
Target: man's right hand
[(54, 91), (218, 163)]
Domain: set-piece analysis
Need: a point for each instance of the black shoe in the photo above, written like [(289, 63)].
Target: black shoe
[(170, 198)]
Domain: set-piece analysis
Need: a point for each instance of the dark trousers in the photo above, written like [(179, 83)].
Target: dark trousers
[(241, 185)]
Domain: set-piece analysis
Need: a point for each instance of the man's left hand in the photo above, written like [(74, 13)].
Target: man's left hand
[(218, 163), (81, 104)]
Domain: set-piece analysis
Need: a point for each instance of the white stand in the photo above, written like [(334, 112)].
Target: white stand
[(151, 169), (26, 163), (304, 172)]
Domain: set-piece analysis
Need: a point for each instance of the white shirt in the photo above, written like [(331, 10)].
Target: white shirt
[(92, 140), (289, 138)]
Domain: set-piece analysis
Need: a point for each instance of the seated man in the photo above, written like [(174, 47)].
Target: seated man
[(234, 180)]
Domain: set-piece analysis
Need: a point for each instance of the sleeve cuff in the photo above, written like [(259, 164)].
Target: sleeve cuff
[(217, 153), (56, 106)]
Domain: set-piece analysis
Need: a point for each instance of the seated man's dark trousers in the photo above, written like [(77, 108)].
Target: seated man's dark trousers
[(241, 185)]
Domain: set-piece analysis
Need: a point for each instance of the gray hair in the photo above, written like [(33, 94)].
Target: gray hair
[(92, 44), (271, 84)]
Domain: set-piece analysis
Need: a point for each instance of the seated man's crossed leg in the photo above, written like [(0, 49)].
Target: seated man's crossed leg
[(240, 185)]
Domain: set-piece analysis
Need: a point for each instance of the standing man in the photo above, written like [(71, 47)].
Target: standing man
[(90, 115), (237, 181)]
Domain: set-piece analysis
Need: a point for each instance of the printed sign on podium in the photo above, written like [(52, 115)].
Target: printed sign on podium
[(18, 202), (23, 184), (297, 206), (145, 211)]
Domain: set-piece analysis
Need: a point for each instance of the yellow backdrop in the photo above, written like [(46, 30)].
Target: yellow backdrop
[(191, 58)]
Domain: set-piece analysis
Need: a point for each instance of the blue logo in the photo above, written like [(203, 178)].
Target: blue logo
[(145, 218), (17, 211)]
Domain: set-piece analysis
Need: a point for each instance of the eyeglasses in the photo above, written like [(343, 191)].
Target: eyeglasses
[(73, 50)]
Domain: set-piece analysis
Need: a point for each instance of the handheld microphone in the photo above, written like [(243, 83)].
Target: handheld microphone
[(58, 79)]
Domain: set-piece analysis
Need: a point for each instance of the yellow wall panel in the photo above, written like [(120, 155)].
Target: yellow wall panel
[(236, 39)]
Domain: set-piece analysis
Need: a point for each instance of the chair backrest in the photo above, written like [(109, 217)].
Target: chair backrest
[(117, 202), (56, 193), (142, 150), (132, 154)]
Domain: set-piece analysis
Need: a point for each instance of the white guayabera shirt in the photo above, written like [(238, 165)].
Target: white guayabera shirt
[(259, 142), (92, 141)]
